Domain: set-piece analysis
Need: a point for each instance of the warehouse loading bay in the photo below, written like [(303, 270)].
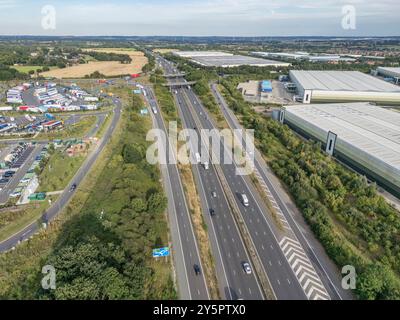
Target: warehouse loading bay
[(253, 93)]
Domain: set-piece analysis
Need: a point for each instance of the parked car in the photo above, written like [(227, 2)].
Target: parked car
[(4, 181)]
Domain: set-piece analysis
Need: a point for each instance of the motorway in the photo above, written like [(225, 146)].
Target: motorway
[(227, 246), (186, 252), (296, 229), (66, 196), (289, 270)]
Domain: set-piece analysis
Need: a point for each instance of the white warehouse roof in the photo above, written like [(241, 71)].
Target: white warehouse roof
[(367, 134), (225, 60), (390, 71), (341, 81), (192, 54)]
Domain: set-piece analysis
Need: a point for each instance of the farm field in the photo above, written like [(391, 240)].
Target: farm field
[(108, 68)]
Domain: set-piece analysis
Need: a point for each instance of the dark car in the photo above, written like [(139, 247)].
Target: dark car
[(4, 181), (197, 269), (73, 188), (212, 212), (9, 174)]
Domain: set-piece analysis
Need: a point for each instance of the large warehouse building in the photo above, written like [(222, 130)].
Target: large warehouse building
[(362, 135), (226, 60), (390, 73), (343, 86)]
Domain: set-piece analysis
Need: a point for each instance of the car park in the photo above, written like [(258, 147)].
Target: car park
[(16, 193)]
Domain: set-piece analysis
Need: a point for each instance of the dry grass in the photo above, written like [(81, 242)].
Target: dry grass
[(108, 68)]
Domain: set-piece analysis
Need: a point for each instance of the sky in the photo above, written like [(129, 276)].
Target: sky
[(201, 17)]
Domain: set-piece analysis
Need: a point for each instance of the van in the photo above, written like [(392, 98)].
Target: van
[(245, 200)]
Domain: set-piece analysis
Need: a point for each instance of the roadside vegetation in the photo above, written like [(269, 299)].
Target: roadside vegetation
[(163, 95), (58, 170), (101, 246)]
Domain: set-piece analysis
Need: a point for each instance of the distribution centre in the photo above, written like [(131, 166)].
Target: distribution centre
[(367, 137), (343, 86)]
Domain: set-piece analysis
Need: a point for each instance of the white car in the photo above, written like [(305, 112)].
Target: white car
[(246, 267)]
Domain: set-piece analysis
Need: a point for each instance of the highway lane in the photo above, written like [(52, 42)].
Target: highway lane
[(326, 269), (281, 276), (66, 196), (186, 253), (227, 245)]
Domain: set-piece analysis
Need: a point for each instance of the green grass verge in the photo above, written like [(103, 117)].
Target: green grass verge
[(59, 171)]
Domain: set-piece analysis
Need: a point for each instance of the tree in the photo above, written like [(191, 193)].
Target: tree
[(132, 153), (157, 203), (138, 205)]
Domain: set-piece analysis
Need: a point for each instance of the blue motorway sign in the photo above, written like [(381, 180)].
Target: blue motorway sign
[(162, 252)]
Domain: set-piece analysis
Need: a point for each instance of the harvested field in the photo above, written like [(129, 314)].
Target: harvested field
[(108, 68)]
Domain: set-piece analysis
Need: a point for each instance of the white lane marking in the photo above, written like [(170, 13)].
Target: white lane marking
[(303, 269)]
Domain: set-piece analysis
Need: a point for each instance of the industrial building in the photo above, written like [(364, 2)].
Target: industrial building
[(304, 56), (364, 136), (391, 73), (227, 60), (193, 54), (343, 86), (282, 55)]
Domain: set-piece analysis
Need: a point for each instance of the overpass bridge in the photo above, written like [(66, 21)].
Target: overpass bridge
[(179, 84), (175, 75)]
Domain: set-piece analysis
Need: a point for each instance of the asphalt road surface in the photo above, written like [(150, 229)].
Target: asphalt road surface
[(186, 253), (227, 246), (282, 278), (236, 283), (66, 196)]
